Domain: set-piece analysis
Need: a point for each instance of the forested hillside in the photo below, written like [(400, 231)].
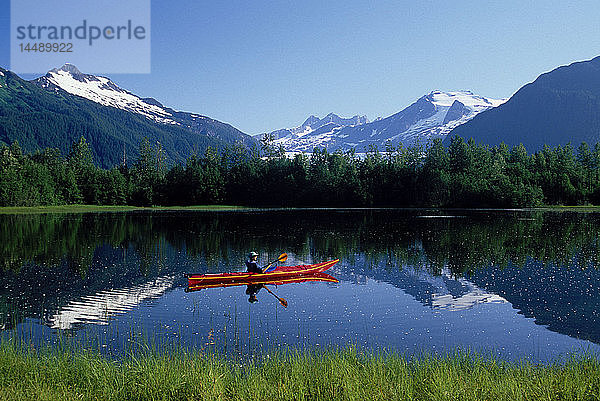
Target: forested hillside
[(560, 107), (38, 118)]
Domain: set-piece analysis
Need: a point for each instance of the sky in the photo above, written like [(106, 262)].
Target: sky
[(264, 65)]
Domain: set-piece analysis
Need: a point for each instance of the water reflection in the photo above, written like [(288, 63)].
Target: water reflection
[(101, 307), (67, 271)]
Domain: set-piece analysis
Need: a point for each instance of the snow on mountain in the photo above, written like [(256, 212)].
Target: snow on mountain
[(446, 99), (104, 91), (450, 109), (313, 132), (432, 116)]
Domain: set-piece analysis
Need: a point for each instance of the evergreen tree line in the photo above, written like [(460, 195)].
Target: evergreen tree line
[(464, 174)]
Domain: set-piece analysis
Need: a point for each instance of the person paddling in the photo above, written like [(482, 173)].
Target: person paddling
[(252, 267), (251, 263)]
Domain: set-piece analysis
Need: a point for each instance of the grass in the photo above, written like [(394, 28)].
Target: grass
[(99, 209), (344, 374)]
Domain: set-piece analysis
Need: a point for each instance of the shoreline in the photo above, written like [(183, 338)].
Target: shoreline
[(112, 208), (208, 208)]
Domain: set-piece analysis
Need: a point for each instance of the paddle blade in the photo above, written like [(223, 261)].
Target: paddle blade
[(282, 257), (270, 269), (283, 302)]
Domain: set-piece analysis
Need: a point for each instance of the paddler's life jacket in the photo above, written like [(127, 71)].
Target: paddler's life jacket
[(253, 267)]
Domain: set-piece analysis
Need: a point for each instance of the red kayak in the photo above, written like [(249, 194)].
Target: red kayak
[(323, 277), (280, 274)]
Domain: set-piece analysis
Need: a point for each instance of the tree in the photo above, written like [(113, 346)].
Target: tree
[(213, 184), (587, 166), (435, 178), (11, 179), (149, 173), (268, 147), (460, 156), (81, 162)]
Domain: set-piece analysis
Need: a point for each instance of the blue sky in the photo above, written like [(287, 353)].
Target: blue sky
[(262, 65)]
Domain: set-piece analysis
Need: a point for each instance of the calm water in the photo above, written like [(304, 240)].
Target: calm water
[(514, 283)]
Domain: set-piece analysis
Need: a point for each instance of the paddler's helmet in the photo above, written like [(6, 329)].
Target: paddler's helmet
[(252, 254)]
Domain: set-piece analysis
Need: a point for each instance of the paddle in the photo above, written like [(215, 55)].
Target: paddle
[(282, 301), (281, 258)]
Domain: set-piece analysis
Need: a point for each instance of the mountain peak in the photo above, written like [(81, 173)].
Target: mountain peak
[(310, 121), (466, 97), (441, 92), (68, 67), (112, 121), (105, 92), (431, 116)]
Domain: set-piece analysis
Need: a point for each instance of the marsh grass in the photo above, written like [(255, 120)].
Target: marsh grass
[(66, 373)]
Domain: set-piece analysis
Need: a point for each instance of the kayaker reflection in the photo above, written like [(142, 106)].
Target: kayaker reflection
[(252, 290), (252, 267)]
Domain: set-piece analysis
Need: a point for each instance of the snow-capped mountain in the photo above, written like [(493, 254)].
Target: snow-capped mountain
[(313, 132), (431, 116), (104, 91)]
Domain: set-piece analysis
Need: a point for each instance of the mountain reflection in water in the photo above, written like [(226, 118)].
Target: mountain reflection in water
[(100, 307), (70, 270)]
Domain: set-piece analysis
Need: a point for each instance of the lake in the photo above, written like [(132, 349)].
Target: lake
[(516, 284)]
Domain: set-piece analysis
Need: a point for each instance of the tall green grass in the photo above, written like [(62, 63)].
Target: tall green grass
[(343, 374)]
